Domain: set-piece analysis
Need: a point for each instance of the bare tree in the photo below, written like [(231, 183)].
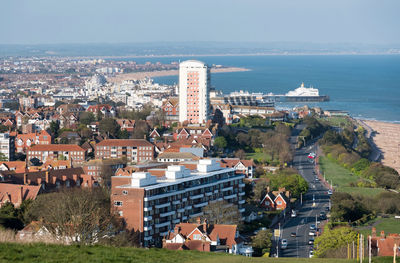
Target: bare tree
[(76, 215), (222, 212)]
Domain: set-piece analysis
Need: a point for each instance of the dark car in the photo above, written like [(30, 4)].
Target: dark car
[(293, 234), (311, 241)]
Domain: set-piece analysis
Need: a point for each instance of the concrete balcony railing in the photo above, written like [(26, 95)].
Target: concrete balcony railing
[(230, 196), (201, 205), (147, 218), (163, 224), (170, 213), (197, 196), (163, 205)]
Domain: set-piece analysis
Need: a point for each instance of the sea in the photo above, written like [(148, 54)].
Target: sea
[(367, 86)]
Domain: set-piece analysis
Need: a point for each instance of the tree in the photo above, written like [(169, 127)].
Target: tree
[(334, 239), (261, 242), (109, 126), (141, 129), (240, 154), (80, 215), (123, 134), (86, 117), (260, 189), (220, 142), (3, 157), (346, 208), (222, 212), (54, 128), (58, 103)]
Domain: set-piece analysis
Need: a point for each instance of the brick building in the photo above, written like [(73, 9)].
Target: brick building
[(135, 150), (44, 153), (154, 204), (24, 141)]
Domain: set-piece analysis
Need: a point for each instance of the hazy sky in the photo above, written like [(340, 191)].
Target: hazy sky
[(114, 21)]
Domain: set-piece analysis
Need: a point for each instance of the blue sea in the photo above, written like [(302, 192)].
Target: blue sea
[(367, 86)]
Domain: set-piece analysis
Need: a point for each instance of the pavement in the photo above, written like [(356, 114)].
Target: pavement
[(315, 201)]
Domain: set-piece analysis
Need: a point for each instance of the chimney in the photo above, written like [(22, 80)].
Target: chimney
[(25, 178), (64, 178), (374, 232), (198, 220), (383, 234), (39, 181), (21, 194), (47, 177), (268, 189), (75, 177)]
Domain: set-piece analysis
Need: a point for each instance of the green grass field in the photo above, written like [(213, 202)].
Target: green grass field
[(341, 178), (336, 121), (13, 252), (389, 225)]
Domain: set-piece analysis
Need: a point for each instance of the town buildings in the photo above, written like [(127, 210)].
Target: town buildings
[(23, 141), (7, 146), (134, 150), (153, 204), (194, 87), (44, 153)]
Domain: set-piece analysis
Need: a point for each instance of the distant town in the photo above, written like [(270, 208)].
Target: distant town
[(90, 154)]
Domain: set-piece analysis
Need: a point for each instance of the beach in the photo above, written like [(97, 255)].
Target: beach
[(387, 139), (163, 73)]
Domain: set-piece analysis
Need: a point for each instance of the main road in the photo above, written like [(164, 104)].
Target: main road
[(314, 201)]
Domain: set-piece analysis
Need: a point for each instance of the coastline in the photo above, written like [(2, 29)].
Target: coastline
[(386, 137), (163, 73)]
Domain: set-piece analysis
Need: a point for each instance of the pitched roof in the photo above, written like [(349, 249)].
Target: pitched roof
[(178, 155), (56, 147), (17, 166), (124, 142), (16, 193)]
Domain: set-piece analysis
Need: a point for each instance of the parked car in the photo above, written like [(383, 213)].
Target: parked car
[(313, 227), (311, 241), (330, 192), (322, 215), (284, 244), (293, 234), (294, 213), (312, 233), (310, 254)]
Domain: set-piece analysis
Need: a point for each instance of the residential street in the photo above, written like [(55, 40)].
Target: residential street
[(315, 201)]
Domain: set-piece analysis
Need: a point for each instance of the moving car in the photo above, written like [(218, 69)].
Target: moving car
[(284, 244)]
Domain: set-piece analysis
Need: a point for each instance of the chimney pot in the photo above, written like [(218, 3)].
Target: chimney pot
[(374, 232), (382, 234), (25, 178)]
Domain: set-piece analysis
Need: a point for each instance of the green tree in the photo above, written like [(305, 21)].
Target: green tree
[(123, 134), (220, 142), (262, 242), (3, 157), (109, 126), (86, 117), (54, 128), (332, 241)]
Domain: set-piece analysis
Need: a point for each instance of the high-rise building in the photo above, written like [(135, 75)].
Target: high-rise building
[(194, 87), (7, 146)]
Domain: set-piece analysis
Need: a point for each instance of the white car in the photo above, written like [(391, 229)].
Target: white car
[(284, 244), (294, 214), (329, 192), (311, 254), (312, 233)]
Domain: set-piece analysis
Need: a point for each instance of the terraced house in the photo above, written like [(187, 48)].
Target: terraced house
[(154, 204)]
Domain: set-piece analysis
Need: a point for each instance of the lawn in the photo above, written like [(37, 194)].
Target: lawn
[(341, 178), (337, 121), (259, 155), (12, 252), (389, 225)]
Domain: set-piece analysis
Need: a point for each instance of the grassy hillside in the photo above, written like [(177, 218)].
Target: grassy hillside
[(12, 252)]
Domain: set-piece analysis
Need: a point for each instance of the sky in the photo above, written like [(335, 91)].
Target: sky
[(126, 21)]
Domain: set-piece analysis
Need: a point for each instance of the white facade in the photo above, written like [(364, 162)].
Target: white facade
[(194, 87), (7, 146)]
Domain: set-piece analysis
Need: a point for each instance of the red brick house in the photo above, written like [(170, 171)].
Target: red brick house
[(16, 193), (245, 167), (170, 108), (128, 125), (276, 200), (206, 237), (105, 109), (24, 141), (383, 245)]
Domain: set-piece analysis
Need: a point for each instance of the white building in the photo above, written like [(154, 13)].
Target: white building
[(194, 87), (7, 146)]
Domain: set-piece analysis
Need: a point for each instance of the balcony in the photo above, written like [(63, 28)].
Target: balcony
[(188, 207), (241, 210), (170, 213), (241, 185), (147, 218), (227, 189), (230, 196), (196, 215), (148, 238), (176, 221), (242, 193), (181, 210), (197, 196), (201, 204), (216, 191), (147, 228), (176, 202), (241, 202), (162, 224), (146, 209), (209, 193), (184, 199), (163, 205)]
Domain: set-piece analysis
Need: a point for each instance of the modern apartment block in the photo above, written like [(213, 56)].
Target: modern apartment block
[(7, 146), (154, 204), (194, 87), (135, 150)]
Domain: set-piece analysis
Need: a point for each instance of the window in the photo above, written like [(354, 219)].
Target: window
[(279, 202), (121, 213), (196, 237), (117, 203), (124, 192)]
